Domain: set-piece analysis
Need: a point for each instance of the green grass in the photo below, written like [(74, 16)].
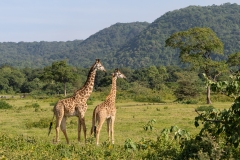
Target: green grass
[(130, 119)]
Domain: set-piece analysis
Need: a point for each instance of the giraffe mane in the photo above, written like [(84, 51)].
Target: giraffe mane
[(89, 75)]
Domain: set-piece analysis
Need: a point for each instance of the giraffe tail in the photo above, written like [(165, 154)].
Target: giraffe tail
[(93, 129), (50, 127)]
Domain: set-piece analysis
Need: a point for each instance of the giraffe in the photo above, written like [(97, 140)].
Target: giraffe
[(75, 105), (106, 110)]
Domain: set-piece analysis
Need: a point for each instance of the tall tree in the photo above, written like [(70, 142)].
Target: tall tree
[(197, 47), (59, 72), (234, 62), (11, 79)]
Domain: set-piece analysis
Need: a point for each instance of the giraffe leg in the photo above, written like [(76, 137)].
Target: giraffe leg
[(112, 128), (84, 128), (79, 129), (108, 128), (58, 123), (100, 123), (63, 128)]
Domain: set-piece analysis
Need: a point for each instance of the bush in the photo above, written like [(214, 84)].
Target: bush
[(42, 123), (5, 105), (34, 105), (186, 90), (192, 101), (204, 108), (204, 147)]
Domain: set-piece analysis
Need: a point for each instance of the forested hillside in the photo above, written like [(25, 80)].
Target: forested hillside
[(133, 45), (105, 43), (35, 54), (78, 52), (148, 48)]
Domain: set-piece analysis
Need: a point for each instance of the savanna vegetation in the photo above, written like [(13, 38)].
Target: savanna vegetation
[(158, 107), (163, 111)]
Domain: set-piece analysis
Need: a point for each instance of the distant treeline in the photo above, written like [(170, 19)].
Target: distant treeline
[(153, 83)]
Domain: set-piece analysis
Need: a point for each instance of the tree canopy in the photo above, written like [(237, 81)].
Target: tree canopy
[(59, 72), (197, 46)]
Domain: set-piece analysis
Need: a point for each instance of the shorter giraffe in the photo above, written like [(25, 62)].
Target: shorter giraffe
[(106, 110)]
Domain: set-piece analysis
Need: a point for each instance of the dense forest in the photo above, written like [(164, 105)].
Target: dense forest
[(79, 53), (148, 47), (133, 45)]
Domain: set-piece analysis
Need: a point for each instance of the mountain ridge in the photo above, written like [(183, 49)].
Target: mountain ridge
[(133, 45)]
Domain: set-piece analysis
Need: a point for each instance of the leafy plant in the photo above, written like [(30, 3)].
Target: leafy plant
[(42, 123), (175, 133), (223, 123), (129, 145), (34, 105), (202, 147), (205, 108), (149, 125), (5, 105)]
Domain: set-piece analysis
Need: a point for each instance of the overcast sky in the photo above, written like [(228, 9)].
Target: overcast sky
[(68, 20)]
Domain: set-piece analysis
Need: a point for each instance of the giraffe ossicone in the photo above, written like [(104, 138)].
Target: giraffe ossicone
[(75, 105), (106, 111)]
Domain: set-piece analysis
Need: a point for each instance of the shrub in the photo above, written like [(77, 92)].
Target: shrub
[(42, 123), (204, 108), (5, 105), (186, 90), (90, 101), (34, 105), (204, 147), (191, 101), (52, 103)]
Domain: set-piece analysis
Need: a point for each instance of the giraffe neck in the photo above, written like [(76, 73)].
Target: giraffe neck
[(87, 89), (113, 89)]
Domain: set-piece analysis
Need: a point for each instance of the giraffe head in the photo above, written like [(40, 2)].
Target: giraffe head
[(118, 74), (98, 66)]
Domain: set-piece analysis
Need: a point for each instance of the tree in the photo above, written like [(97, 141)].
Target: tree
[(234, 61), (11, 79), (223, 123), (188, 86), (59, 72), (198, 46)]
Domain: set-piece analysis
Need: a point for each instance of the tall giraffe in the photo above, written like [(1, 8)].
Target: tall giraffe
[(106, 110), (75, 105)]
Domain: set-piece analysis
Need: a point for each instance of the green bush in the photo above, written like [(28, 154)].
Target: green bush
[(42, 123), (191, 101), (34, 105), (204, 108), (204, 147), (5, 105), (52, 103)]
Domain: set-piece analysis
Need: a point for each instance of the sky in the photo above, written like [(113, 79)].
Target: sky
[(68, 20)]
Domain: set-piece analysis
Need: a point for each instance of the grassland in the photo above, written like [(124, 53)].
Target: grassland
[(131, 117)]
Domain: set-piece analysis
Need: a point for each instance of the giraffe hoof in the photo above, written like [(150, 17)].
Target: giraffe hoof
[(55, 141)]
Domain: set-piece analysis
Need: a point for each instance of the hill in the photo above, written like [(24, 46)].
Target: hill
[(78, 52), (148, 48), (105, 43), (134, 45)]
